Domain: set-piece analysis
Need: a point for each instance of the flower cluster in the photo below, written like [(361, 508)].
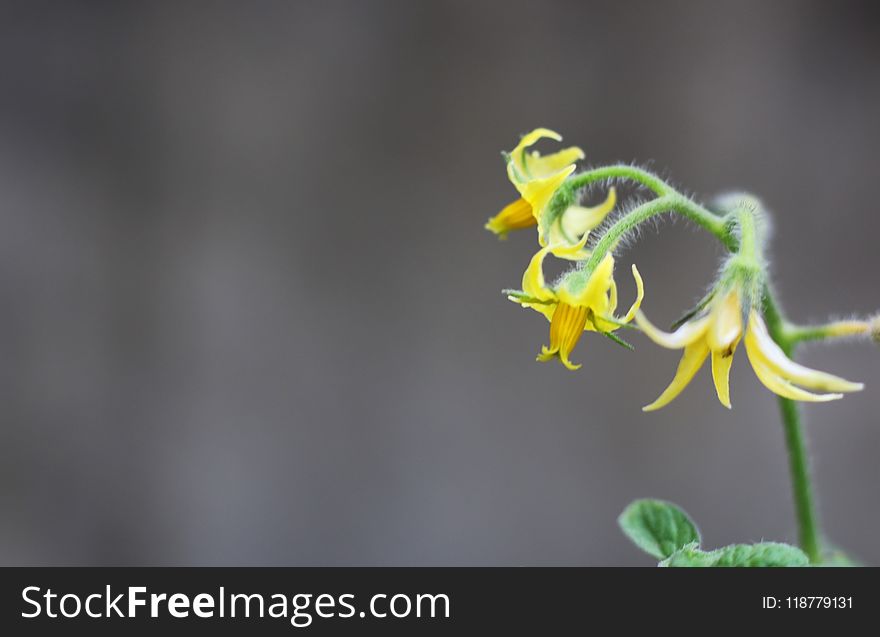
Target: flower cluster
[(575, 304), (585, 297)]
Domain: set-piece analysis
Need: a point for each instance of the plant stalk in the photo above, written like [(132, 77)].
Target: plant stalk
[(809, 536)]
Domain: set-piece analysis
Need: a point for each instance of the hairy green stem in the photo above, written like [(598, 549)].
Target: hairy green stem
[(671, 202), (621, 171), (748, 234), (809, 535)]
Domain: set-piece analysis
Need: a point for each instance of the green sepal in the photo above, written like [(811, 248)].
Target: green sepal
[(618, 323), (612, 336), (699, 307), (521, 297)]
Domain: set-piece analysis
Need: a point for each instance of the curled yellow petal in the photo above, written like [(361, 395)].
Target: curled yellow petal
[(691, 361), (534, 286), (525, 166), (573, 251), (554, 237), (721, 363), (577, 220), (612, 298), (774, 359), (608, 323), (779, 385), (533, 278), (640, 295), (685, 335), (531, 138), (538, 166)]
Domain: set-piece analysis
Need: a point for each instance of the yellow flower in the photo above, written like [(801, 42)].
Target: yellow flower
[(578, 304), (537, 178), (718, 332)]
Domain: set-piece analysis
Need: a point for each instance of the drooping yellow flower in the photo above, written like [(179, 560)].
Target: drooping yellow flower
[(537, 178), (577, 304), (718, 331)]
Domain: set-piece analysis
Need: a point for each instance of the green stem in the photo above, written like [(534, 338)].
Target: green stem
[(671, 202), (798, 461), (748, 231), (621, 171)]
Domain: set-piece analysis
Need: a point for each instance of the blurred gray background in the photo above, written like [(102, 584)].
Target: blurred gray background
[(250, 315)]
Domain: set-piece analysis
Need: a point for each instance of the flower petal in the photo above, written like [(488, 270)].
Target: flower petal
[(514, 216), (691, 361), (640, 295), (779, 385), (772, 357), (570, 251), (533, 278), (726, 324), (577, 220), (539, 192), (554, 236), (612, 297), (593, 292), (721, 362), (685, 335), (533, 285), (539, 166), (531, 138), (517, 167)]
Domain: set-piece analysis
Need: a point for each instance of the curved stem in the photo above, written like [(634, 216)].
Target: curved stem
[(809, 535), (621, 171), (671, 202)]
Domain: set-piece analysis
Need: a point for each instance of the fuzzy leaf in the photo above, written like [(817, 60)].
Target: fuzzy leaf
[(739, 555), (658, 528), (690, 556)]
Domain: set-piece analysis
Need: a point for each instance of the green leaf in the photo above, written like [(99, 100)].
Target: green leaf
[(690, 556), (739, 555), (658, 528)]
